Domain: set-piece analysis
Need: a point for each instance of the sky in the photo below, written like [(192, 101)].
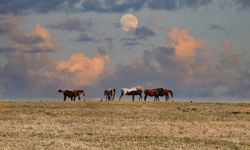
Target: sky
[(197, 48)]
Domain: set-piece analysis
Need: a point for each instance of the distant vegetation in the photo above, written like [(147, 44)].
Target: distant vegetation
[(124, 125)]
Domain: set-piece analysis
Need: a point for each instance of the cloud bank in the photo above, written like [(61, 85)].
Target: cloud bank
[(187, 67), (104, 6)]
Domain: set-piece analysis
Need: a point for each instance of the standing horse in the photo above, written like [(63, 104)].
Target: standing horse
[(78, 94), (72, 94), (157, 93), (153, 92), (166, 93), (132, 91), (110, 94)]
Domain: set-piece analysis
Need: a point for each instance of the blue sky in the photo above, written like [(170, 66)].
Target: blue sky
[(198, 48)]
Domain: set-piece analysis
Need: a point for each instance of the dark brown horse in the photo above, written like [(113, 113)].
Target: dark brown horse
[(72, 94), (110, 94), (153, 93), (166, 92), (157, 93)]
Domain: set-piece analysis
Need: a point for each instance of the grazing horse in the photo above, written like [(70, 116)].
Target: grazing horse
[(157, 93), (132, 91), (72, 94), (166, 93), (153, 92), (110, 94)]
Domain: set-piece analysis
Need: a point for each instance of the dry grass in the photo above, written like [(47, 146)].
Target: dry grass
[(124, 125)]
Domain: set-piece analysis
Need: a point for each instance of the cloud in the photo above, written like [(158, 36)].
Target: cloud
[(176, 4), (213, 74), (143, 32), (216, 27), (129, 41), (123, 6), (81, 70), (25, 38), (30, 75), (209, 74), (105, 6), (243, 3), (28, 70), (101, 51), (39, 6), (72, 24), (227, 44), (9, 23), (185, 45), (83, 37), (18, 80), (112, 5), (38, 40), (22, 40), (109, 42), (7, 49)]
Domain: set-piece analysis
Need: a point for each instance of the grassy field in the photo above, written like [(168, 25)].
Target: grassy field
[(124, 125)]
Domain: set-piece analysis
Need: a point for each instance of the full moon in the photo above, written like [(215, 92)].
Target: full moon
[(129, 22)]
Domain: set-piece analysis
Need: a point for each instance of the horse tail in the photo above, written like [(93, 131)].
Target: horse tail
[(171, 93), (105, 92)]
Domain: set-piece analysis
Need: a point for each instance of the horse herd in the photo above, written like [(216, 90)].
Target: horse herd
[(134, 91)]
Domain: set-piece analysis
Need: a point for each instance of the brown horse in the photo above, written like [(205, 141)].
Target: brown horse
[(157, 93), (72, 94), (153, 92), (166, 93), (110, 94)]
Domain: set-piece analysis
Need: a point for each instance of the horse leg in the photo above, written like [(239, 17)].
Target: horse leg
[(133, 97), (166, 97), (145, 97), (64, 98), (79, 98), (120, 97)]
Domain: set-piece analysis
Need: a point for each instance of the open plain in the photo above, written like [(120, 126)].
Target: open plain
[(124, 125)]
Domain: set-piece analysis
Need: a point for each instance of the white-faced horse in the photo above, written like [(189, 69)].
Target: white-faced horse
[(132, 91)]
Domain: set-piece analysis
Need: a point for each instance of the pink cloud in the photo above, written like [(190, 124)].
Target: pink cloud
[(40, 39), (227, 44), (9, 23), (80, 70), (185, 45), (48, 40)]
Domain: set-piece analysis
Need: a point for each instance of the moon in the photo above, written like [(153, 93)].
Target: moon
[(129, 22)]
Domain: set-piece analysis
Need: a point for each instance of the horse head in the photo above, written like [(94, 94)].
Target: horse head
[(60, 91), (139, 87), (82, 92)]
